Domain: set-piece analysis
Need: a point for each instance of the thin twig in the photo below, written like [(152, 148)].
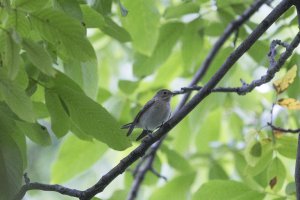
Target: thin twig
[(158, 174), (295, 131)]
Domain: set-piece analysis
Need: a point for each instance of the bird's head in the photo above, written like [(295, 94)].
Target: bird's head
[(164, 94)]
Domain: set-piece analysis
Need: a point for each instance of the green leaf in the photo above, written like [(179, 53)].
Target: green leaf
[(103, 95), (287, 146), (192, 43), (226, 190), (175, 189), (78, 154), (258, 164), (36, 132), (19, 22), (209, 133), (128, 87), (276, 169), (181, 9), (16, 99), (256, 149), (102, 6), (90, 117), (85, 74), (290, 188), (40, 110), (31, 5), (65, 33), (142, 22), (259, 51), (11, 59), (93, 19), (119, 194), (39, 56), (71, 7), (176, 160), (216, 171), (59, 118), (168, 37), (11, 164)]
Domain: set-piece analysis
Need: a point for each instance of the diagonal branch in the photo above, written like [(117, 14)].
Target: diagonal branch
[(231, 28), (204, 92)]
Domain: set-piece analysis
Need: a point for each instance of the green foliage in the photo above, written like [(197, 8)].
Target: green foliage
[(11, 162), (215, 190), (78, 154), (142, 24), (71, 72), (171, 189)]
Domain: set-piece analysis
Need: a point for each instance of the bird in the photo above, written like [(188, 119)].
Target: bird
[(154, 114)]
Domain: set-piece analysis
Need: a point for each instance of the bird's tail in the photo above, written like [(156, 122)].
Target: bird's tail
[(130, 127), (125, 126)]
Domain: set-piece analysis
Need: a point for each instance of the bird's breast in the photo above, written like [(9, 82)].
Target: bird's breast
[(155, 116)]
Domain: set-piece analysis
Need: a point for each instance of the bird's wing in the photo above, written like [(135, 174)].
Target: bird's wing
[(138, 116)]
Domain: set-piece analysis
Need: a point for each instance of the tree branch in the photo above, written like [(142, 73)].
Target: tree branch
[(46, 187), (295, 131), (106, 179), (246, 88), (231, 28)]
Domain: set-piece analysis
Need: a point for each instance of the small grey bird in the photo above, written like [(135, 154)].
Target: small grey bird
[(155, 112)]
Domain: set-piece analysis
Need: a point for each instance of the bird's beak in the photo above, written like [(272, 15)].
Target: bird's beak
[(174, 93)]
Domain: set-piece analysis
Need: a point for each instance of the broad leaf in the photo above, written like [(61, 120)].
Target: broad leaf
[(192, 43), (36, 132), (176, 160), (31, 5), (142, 22), (276, 169), (93, 19), (64, 32), (59, 117), (74, 157), (168, 37), (128, 87), (11, 164), (16, 99), (175, 189), (181, 9), (39, 56), (88, 116), (226, 190), (71, 7), (12, 58), (287, 146)]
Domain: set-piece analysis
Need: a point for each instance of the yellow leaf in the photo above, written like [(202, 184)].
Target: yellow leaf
[(289, 103), (282, 84)]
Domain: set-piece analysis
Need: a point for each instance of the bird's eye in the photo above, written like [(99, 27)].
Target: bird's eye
[(165, 92)]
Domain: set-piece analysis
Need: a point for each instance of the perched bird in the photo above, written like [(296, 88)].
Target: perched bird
[(155, 112)]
